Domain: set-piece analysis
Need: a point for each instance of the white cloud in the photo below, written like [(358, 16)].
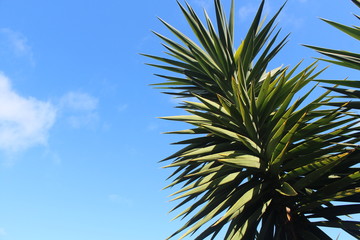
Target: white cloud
[(80, 109), (24, 122), (18, 43)]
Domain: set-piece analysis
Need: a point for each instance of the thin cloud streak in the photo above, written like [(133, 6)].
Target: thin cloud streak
[(78, 101), (79, 109), (116, 198), (17, 43)]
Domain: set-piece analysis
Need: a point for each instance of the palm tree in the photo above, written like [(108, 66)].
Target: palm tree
[(257, 163)]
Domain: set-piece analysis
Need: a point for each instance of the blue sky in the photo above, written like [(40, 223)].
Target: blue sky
[(79, 138)]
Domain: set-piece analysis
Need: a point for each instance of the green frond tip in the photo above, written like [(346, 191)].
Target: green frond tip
[(287, 190), (356, 2), (351, 31)]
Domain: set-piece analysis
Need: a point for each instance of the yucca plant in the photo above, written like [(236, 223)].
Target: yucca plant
[(262, 160)]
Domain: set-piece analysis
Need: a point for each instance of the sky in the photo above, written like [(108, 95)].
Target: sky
[(79, 136)]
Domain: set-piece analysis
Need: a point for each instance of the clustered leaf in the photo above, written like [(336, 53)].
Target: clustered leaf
[(262, 159)]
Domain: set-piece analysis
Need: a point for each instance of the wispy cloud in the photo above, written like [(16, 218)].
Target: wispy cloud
[(152, 127), (122, 107), (18, 43), (24, 121), (79, 101), (246, 11), (52, 156), (291, 20), (116, 198), (2, 232), (204, 3), (80, 109)]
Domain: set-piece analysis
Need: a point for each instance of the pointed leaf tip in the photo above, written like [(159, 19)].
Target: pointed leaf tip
[(287, 190)]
